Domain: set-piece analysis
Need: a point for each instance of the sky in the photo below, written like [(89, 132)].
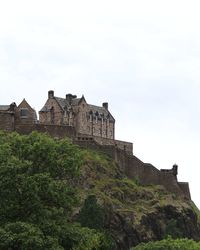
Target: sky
[(142, 57)]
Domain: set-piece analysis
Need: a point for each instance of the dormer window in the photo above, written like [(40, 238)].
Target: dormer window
[(23, 113)]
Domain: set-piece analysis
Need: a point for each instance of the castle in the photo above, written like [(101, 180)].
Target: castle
[(88, 126)]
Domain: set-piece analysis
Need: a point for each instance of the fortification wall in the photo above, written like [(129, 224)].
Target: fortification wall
[(53, 130), (133, 168), (126, 146), (147, 174), (185, 188)]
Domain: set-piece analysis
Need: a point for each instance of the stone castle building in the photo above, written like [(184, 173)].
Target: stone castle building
[(76, 112), (88, 126)]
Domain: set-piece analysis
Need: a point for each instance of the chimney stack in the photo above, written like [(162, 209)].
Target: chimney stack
[(105, 105), (51, 94), (69, 98)]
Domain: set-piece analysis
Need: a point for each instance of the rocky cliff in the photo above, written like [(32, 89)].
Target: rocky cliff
[(134, 213)]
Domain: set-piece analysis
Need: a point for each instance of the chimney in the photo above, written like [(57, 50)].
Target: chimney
[(69, 98), (13, 106), (51, 94), (105, 105)]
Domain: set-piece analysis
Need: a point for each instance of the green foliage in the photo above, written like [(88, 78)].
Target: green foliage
[(172, 230), (136, 180), (169, 244), (36, 195), (195, 209), (91, 214)]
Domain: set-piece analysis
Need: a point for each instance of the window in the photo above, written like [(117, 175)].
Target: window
[(24, 113), (91, 115)]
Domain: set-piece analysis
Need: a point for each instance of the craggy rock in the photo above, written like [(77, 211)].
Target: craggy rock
[(136, 213)]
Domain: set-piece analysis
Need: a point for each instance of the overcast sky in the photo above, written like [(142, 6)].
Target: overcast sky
[(141, 56)]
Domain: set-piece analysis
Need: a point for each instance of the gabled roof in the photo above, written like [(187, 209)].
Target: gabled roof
[(24, 103)]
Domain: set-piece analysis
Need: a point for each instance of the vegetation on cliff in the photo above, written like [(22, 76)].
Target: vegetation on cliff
[(55, 195), (169, 244)]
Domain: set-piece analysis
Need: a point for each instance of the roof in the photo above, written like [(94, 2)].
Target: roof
[(63, 102), (45, 109), (101, 111), (4, 107)]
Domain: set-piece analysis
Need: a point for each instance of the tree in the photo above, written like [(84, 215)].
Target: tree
[(36, 195), (91, 214)]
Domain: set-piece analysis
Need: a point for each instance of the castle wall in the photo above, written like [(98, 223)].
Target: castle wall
[(125, 146), (147, 174), (57, 131), (185, 188), (7, 121), (134, 168)]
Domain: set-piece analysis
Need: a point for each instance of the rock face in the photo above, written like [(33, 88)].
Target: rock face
[(135, 213), (153, 226)]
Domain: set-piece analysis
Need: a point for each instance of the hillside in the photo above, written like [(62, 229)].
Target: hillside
[(55, 195)]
